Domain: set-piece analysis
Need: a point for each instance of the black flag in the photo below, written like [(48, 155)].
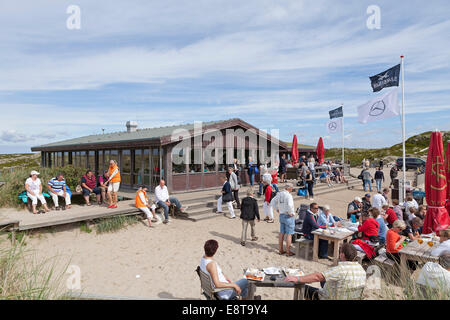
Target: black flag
[(388, 78), (336, 113)]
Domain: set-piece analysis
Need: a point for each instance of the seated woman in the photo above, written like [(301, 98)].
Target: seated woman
[(382, 227), (369, 227), (142, 203), (209, 266), (326, 218), (421, 212), (394, 243)]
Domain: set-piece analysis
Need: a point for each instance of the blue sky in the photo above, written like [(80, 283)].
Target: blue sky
[(275, 64)]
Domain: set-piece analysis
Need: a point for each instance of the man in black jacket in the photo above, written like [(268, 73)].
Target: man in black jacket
[(249, 211), (310, 224)]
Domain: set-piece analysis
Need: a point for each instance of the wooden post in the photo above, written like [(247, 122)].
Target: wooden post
[(316, 248)]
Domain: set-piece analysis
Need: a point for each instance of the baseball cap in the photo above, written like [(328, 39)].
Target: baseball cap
[(367, 195), (358, 199), (34, 172)]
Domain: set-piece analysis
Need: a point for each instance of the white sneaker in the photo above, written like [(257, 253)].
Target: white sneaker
[(311, 199)]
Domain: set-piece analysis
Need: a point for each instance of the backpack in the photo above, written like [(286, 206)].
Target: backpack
[(302, 192), (272, 194)]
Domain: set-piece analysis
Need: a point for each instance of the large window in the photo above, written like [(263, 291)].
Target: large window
[(126, 166), (156, 167), (101, 162), (223, 160), (195, 160), (178, 157), (83, 159), (138, 168), (209, 160), (91, 161)]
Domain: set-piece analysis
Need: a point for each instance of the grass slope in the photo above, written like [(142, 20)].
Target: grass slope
[(416, 146)]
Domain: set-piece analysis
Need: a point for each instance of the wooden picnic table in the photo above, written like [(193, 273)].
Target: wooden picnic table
[(417, 252), (299, 288), (337, 238)]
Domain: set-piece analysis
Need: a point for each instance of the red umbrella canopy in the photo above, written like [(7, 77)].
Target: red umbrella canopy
[(320, 151), (437, 217), (294, 151), (447, 169)]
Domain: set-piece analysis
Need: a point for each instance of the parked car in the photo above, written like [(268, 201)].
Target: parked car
[(411, 163)]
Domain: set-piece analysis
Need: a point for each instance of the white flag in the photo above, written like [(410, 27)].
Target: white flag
[(334, 125), (382, 107)]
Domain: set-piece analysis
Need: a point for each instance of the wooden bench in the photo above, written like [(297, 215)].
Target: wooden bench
[(11, 226), (304, 243)]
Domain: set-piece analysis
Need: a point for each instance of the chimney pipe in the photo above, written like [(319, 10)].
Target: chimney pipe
[(131, 126)]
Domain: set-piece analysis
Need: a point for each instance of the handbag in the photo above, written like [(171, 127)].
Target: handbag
[(256, 170), (227, 197)]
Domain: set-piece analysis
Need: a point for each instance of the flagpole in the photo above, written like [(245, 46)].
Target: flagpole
[(343, 158), (403, 127)]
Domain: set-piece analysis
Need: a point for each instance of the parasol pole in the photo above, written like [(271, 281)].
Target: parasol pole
[(342, 105), (403, 128)]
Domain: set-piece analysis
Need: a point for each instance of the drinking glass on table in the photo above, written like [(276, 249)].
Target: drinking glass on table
[(420, 241)]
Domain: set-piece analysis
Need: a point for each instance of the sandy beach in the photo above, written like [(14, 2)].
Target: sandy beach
[(160, 263)]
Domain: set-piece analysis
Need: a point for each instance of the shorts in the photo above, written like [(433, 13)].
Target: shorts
[(287, 224), (113, 186), (86, 192)]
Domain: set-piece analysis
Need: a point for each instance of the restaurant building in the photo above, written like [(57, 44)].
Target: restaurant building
[(147, 155)]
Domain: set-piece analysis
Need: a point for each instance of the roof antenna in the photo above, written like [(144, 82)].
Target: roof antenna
[(103, 131)]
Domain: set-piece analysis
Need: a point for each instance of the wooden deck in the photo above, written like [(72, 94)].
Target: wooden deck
[(29, 221)]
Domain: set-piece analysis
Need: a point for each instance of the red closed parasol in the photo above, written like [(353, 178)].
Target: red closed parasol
[(447, 170), (437, 217), (320, 151), (294, 151)]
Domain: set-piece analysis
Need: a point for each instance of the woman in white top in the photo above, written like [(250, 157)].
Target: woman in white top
[(209, 266), (33, 186)]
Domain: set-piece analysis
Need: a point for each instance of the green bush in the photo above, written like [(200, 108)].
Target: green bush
[(15, 182)]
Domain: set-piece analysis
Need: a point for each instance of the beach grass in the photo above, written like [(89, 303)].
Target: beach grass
[(114, 224), (23, 277)]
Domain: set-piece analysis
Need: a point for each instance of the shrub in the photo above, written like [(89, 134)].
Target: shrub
[(15, 182)]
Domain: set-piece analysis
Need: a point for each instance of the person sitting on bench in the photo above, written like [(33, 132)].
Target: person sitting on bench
[(89, 185), (33, 186), (164, 201), (345, 277), (57, 188), (142, 203)]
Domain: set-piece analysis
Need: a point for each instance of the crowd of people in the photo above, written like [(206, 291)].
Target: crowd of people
[(381, 223), (105, 187)]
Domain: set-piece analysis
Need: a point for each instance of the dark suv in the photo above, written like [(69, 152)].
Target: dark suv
[(411, 163)]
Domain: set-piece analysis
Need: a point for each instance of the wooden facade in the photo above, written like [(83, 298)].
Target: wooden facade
[(146, 161)]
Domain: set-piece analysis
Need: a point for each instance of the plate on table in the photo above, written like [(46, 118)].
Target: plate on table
[(294, 272), (254, 274), (272, 271)]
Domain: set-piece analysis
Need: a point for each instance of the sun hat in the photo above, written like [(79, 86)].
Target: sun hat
[(34, 172)]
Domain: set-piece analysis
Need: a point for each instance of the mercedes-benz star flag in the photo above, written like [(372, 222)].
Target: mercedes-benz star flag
[(382, 107), (334, 125)]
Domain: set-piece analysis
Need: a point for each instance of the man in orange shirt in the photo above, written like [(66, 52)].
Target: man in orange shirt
[(114, 183)]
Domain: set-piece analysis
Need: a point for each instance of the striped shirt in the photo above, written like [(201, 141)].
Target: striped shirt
[(340, 280), (57, 185)]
